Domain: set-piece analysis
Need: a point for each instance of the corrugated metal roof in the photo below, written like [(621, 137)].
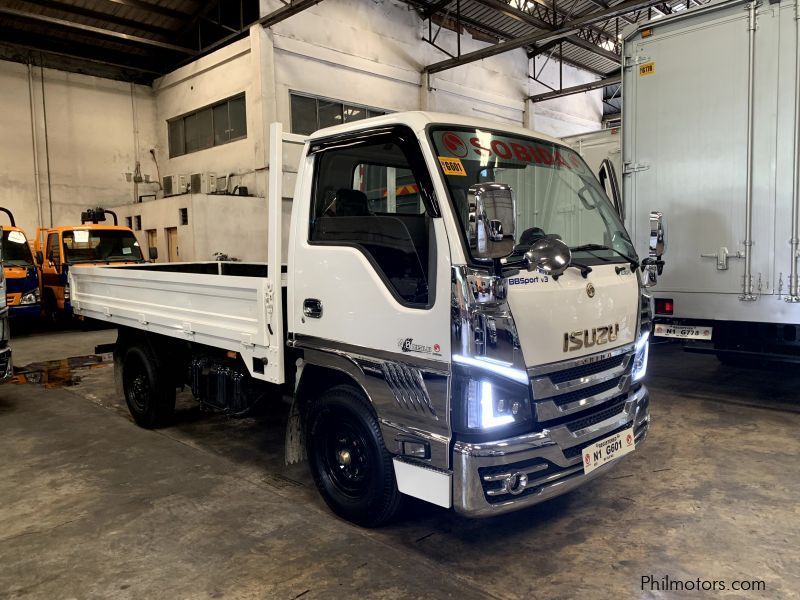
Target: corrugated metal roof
[(510, 19), (139, 38)]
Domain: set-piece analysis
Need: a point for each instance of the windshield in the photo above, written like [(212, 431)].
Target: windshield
[(16, 251), (96, 245), (556, 192)]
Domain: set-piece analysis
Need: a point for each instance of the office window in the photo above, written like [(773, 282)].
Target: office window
[(137, 223), (310, 114), (183, 216), (213, 125), (129, 222)]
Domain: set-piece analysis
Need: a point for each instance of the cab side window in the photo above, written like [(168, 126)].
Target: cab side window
[(368, 196), (53, 251)]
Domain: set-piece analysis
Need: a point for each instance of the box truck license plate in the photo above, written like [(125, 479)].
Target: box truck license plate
[(608, 449), (690, 332)]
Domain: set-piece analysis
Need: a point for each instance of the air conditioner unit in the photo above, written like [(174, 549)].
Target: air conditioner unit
[(204, 183), (175, 184), (183, 184)]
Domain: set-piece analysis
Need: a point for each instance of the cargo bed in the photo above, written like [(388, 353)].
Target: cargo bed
[(228, 305)]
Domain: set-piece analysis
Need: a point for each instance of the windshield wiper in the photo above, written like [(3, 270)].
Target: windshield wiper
[(592, 248)]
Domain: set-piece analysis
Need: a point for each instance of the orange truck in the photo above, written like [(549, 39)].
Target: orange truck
[(91, 243), (22, 279)]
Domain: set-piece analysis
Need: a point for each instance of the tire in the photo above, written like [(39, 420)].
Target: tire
[(149, 396), (352, 469)]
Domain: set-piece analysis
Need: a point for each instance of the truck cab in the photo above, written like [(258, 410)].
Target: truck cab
[(495, 316), (22, 279), (60, 249)]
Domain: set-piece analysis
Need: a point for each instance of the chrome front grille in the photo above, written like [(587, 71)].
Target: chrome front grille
[(577, 390)]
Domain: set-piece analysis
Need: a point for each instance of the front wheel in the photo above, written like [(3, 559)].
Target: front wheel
[(352, 469), (149, 395)]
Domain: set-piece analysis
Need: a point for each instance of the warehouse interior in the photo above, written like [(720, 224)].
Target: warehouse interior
[(591, 204)]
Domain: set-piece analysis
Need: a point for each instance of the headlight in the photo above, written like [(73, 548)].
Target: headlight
[(488, 403), (31, 297), (640, 358)]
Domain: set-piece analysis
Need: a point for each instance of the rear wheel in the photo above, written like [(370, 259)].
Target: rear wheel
[(352, 469), (149, 395)]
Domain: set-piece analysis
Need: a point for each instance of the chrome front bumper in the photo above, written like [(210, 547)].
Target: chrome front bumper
[(551, 460)]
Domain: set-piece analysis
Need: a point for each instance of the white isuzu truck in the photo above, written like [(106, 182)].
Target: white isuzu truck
[(461, 319)]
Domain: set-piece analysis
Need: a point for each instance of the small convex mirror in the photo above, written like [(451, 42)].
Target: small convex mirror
[(549, 255), (492, 220)]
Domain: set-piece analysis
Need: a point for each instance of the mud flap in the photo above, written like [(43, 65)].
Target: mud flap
[(295, 444), (295, 450)]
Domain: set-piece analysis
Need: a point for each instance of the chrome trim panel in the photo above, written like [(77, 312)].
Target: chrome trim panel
[(469, 497), (482, 324), (408, 386), (412, 403), (579, 362), (297, 340)]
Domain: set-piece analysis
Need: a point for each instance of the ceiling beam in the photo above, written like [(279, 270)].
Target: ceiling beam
[(194, 19), (567, 29), (153, 8), (435, 8), (96, 30), (530, 19), (587, 45), (100, 16), (268, 20), (36, 53), (578, 89)]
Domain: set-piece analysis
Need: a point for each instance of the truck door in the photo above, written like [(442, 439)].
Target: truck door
[(53, 278), (689, 160), (371, 268)]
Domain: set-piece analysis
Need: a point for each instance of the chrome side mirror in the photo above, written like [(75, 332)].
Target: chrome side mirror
[(492, 220), (549, 255), (653, 265)]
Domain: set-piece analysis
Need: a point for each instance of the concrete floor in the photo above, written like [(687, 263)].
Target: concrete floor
[(92, 506)]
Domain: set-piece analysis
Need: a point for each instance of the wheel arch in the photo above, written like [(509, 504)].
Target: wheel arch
[(318, 372)]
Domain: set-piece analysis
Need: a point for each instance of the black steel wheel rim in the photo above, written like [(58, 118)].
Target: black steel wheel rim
[(345, 454), (138, 386)]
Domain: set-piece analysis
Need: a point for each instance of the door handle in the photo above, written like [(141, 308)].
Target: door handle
[(312, 308)]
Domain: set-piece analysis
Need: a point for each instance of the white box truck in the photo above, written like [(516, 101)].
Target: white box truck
[(710, 140), (460, 318)]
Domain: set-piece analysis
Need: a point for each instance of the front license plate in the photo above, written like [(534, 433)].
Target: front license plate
[(608, 449), (690, 332)]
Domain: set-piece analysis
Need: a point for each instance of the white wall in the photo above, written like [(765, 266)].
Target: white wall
[(242, 233), (569, 115), (90, 142)]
